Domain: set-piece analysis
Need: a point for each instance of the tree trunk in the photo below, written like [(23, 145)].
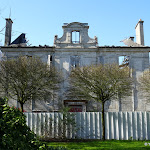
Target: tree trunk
[(21, 107), (103, 121)]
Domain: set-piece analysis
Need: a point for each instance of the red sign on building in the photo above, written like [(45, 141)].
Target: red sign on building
[(76, 108)]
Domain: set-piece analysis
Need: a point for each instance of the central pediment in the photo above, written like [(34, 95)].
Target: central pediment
[(75, 35)]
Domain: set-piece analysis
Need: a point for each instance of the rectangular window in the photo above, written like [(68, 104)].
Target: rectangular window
[(75, 37), (49, 60), (101, 60), (123, 61), (75, 61), (149, 58)]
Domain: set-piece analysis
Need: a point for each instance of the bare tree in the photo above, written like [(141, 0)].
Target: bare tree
[(101, 83), (28, 78)]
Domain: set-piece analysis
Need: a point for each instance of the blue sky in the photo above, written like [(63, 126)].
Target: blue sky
[(110, 20)]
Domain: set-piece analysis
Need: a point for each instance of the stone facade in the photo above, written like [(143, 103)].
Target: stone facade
[(76, 48)]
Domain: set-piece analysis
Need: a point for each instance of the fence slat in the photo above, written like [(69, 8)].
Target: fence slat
[(97, 128), (144, 123), (87, 125), (116, 128), (52, 125), (83, 128), (148, 125), (125, 126), (111, 127), (100, 124), (120, 125), (106, 125), (92, 125), (55, 125), (130, 125), (139, 125)]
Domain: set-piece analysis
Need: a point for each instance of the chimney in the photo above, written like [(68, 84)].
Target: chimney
[(139, 33), (131, 38), (8, 31)]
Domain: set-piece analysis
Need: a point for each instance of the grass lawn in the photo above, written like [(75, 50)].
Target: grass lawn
[(105, 145)]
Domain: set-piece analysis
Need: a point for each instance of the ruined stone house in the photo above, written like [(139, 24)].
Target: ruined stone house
[(76, 48)]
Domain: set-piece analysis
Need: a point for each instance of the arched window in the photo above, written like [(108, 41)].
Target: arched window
[(75, 37)]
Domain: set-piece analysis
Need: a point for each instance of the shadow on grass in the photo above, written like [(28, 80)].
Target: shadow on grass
[(103, 145)]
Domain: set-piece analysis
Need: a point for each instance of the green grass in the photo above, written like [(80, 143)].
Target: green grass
[(103, 145)]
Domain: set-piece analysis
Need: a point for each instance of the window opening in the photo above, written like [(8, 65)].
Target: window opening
[(149, 58), (75, 61), (28, 56), (123, 61), (101, 60), (75, 37), (51, 59)]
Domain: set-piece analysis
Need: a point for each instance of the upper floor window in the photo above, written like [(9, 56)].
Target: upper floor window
[(49, 60), (75, 37), (123, 61), (149, 58), (101, 60), (75, 61)]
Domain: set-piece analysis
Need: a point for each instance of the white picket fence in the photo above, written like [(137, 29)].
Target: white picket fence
[(118, 125)]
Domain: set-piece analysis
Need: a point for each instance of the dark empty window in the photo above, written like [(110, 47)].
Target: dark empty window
[(75, 37), (51, 59), (75, 61)]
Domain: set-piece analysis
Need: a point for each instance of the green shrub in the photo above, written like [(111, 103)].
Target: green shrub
[(14, 133)]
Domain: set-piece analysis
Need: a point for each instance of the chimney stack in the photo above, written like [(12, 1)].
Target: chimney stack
[(131, 38), (139, 33), (8, 31)]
